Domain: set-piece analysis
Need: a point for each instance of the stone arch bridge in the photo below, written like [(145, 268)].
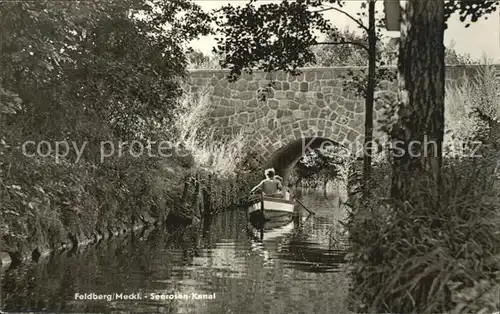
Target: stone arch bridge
[(308, 109)]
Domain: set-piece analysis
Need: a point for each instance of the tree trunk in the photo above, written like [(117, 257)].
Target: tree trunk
[(370, 90), (418, 135)]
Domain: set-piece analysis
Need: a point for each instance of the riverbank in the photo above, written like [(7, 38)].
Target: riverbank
[(296, 269), (50, 207)]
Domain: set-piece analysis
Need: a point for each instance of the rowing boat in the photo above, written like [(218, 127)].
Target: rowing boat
[(271, 208)]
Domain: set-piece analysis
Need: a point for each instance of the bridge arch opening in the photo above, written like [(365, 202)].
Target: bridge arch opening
[(285, 158)]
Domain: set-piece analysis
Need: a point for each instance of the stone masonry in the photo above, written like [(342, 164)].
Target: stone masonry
[(312, 104)]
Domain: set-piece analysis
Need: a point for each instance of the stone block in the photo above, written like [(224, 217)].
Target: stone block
[(310, 76), (320, 103), (331, 83), (304, 86), (279, 113), (352, 135), (326, 89), (323, 114), (321, 124), (341, 111), (349, 105), (230, 111), (242, 118), (218, 112), (336, 129), (293, 105), (337, 90), (264, 83), (273, 103), (272, 124), (241, 85), (270, 76), (247, 95), (279, 95), (314, 113), (343, 120), (303, 125), (298, 114), (315, 86), (359, 107), (252, 86), (328, 133), (328, 75), (297, 133), (224, 102), (281, 76), (252, 103), (265, 110), (287, 119), (218, 91)]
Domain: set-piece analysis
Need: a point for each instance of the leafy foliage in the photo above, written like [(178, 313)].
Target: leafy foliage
[(472, 10), (110, 64), (199, 60), (329, 55), (88, 72), (270, 37), (329, 163)]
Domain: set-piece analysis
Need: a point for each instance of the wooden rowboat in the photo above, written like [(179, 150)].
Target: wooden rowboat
[(271, 208)]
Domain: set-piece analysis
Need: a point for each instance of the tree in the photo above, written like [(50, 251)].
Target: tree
[(421, 80), (199, 60), (341, 55), (275, 37), (100, 69), (452, 57)]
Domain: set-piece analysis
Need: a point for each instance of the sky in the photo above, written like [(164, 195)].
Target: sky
[(482, 37)]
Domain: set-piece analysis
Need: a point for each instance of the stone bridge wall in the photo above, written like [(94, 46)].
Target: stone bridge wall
[(312, 104)]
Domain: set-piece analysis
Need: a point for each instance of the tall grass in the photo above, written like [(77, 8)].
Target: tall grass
[(438, 255), (472, 108), (211, 151)]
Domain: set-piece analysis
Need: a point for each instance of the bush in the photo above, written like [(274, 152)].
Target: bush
[(423, 255)]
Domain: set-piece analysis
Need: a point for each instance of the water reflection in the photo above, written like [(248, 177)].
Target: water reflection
[(294, 268)]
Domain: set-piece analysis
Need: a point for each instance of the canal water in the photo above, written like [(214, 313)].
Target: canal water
[(223, 268)]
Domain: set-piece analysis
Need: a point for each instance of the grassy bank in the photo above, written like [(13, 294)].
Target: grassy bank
[(55, 203), (437, 255), (70, 81)]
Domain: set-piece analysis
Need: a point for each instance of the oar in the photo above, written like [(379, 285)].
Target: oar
[(310, 211)]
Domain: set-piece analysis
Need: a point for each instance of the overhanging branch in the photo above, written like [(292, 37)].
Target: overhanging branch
[(344, 43), (346, 14)]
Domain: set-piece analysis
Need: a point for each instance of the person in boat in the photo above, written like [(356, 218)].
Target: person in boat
[(271, 185)]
